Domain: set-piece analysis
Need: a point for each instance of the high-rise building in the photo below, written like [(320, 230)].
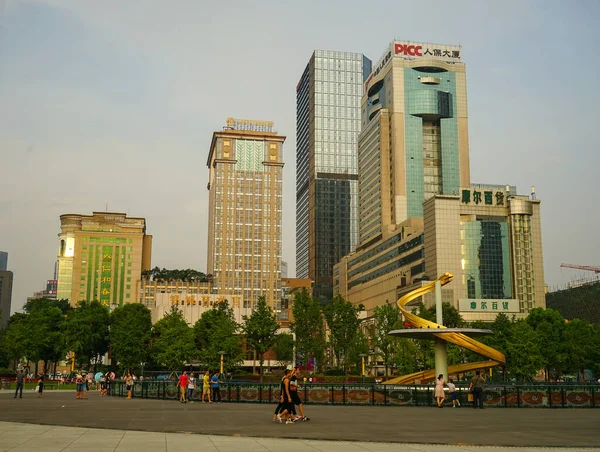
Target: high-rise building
[(101, 257), (245, 164), (419, 214), (414, 139), (328, 121), (6, 282), (3, 260)]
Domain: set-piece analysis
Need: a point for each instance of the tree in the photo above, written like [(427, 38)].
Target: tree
[(581, 349), (260, 330), (343, 322), (130, 329), (550, 326), (62, 304), (308, 326), (15, 338), (524, 351), (85, 332), (215, 331), (386, 319), (172, 341), (284, 348), (358, 346), (450, 315)]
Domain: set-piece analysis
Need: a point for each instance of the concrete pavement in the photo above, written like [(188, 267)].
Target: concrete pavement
[(169, 425)]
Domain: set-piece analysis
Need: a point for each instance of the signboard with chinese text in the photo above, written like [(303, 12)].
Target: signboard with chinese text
[(481, 196), (106, 275), (494, 306), (252, 125), (412, 50)]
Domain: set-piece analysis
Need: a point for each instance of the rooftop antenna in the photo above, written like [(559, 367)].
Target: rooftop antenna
[(533, 192), (106, 206)]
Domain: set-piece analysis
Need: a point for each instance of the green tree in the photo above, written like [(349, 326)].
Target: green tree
[(216, 331), (284, 348), (450, 315), (85, 332), (343, 322), (260, 330), (359, 346), (45, 338), (172, 341), (62, 304), (130, 329), (14, 342), (308, 326), (581, 348), (386, 319), (524, 354), (550, 327)]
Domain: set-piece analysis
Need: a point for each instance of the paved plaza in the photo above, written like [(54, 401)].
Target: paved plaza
[(58, 422)]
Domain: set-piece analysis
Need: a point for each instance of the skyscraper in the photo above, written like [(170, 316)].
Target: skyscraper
[(327, 125), (3, 260), (245, 164), (414, 139), (101, 257), (6, 282)]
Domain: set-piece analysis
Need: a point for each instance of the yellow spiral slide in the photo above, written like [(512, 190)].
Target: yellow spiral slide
[(496, 357)]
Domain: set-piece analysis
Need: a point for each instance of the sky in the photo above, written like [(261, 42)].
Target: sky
[(112, 104)]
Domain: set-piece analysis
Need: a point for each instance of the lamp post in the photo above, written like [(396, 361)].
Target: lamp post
[(362, 356), (222, 353)]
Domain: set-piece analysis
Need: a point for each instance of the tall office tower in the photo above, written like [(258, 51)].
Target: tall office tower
[(3, 260), (245, 209), (327, 127), (101, 257), (414, 139), (6, 282)]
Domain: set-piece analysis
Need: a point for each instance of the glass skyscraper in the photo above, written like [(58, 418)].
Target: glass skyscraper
[(328, 100)]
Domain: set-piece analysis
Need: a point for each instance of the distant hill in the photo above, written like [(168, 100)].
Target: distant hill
[(577, 303)]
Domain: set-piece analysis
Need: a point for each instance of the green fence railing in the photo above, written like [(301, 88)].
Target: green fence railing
[(494, 395)]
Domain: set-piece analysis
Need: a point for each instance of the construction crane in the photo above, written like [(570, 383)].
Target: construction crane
[(582, 267)]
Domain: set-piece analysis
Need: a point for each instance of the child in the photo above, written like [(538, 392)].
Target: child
[(452, 388)]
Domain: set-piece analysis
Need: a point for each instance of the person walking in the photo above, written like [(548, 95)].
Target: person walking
[(191, 386), (19, 389), (214, 387), (453, 395), (440, 396), (476, 387), (40, 385), (279, 407), (206, 387), (129, 385), (295, 397), (286, 398), (183, 384)]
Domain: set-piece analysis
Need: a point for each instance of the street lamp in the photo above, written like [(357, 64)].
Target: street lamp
[(362, 357), (222, 353)]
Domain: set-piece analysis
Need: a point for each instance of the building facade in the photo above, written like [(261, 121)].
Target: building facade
[(49, 292), (489, 238), (414, 138), (101, 257), (3, 261), (245, 164), (193, 298), (491, 241), (6, 283), (327, 127)]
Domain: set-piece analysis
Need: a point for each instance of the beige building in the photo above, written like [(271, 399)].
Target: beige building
[(193, 298), (245, 209), (101, 257), (488, 238), (414, 138)]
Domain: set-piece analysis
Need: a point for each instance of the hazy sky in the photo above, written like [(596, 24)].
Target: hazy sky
[(114, 102)]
